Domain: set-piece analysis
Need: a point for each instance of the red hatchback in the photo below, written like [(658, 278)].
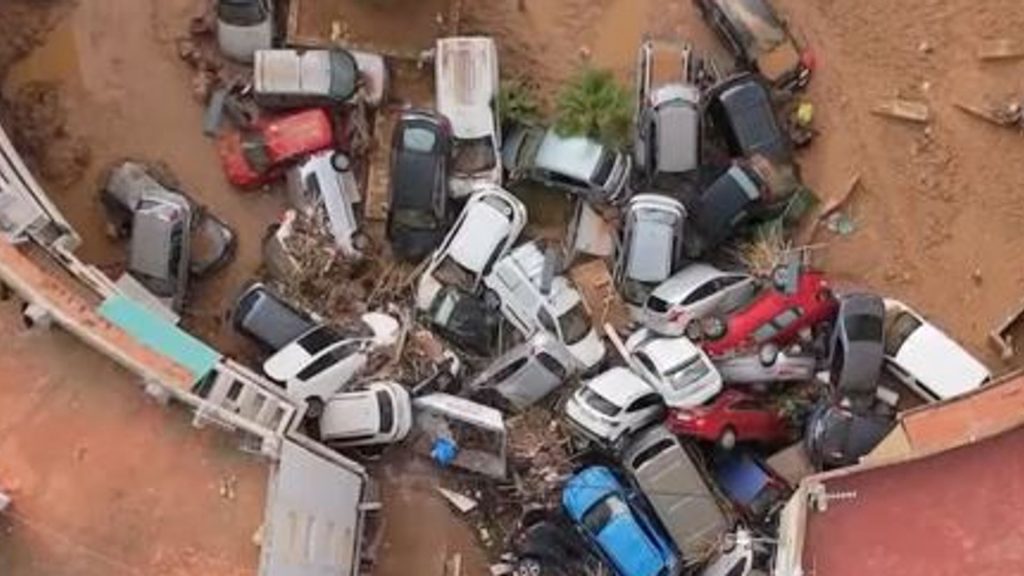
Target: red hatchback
[(732, 417), (776, 317), (259, 153)]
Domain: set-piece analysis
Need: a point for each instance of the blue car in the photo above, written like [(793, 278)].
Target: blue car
[(598, 503)]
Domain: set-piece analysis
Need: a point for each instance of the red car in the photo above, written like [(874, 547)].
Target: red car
[(775, 317), (260, 152), (732, 417)]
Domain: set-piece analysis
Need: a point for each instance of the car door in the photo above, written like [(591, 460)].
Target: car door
[(702, 300), (751, 421), (736, 290)]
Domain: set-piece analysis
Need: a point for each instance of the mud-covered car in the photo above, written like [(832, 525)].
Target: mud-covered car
[(547, 544), (836, 436), (171, 238), (759, 39)]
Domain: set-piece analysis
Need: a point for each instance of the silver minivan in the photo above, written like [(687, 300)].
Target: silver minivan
[(678, 491), (525, 374)]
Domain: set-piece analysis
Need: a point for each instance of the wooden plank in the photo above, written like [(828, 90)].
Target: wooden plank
[(1007, 117), (597, 287), (378, 178), (1001, 49), (904, 110)]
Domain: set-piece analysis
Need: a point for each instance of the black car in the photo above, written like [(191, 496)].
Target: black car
[(464, 320), (741, 113), (837, 436), (726, 204), (419, 212), (759, 40), (267, 318), (547, 544)]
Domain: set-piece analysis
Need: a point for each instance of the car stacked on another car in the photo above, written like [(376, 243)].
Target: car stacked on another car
[(650, 249), (695, 292), (262, 151), (484, 232), (608, 408), (674, 366)]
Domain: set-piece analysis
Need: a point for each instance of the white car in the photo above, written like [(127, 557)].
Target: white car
[(695, 292), (613, 405), (516, 282), (322, 361), (380, 414), (484, 231), (926, 360), (676, 367), (466, 77)]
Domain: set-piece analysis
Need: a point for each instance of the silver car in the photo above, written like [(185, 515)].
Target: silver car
[(668, 127), (650, 249), (769, 364), (697, 291), (243, 27), (525, 374), (575, 164), (678, 491)]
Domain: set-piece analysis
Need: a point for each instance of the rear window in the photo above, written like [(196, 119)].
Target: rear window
[(601, 513), (419, 140), (387, 411), (649, 453), (864, 328), (599, 403), (242, 12), (604, 168), (575, 324), (474, 155), (656, 304), (899, 330)]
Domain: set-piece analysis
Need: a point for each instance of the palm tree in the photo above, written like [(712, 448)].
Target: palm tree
[(596, 106)]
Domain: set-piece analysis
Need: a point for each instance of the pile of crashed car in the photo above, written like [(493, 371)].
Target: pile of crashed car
[(687, 420)]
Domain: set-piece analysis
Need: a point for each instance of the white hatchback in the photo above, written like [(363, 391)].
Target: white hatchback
[(380, 414), (925, 359), (676, 367), (613, 405), (485, 230)]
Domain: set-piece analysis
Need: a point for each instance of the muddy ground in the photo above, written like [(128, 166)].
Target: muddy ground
[(938, 218)]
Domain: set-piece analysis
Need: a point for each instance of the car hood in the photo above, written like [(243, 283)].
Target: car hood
[(588, 352), (626, 543), (940, 363), (483, 231)]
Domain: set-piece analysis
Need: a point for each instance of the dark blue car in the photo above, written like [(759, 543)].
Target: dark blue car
[(596, 501)]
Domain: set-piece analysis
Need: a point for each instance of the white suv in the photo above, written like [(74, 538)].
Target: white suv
[(613, 405), (517, 283), (484, 231), (381, 414)]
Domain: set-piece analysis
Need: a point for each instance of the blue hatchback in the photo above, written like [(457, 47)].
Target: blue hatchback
[(598, 503)]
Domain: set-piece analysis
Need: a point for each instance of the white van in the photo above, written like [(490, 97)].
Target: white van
[(516, 283), (288, 78), (326, 178), (466, 75)]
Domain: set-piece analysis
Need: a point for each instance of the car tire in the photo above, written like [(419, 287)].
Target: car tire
[(341, 163), (714, 327), (727, 440), (528, 566)]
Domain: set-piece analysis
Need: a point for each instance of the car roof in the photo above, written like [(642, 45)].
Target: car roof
[(483, 230), (667, 353), (741, 477), (351, 414), (631, 548), (264, 315), (748, 105), (415, 172), (652, 244), (466, 69), (619, 386), (678, 137), (586, 488), (680, 284), (573, 156), (758, 22), (939, 363)]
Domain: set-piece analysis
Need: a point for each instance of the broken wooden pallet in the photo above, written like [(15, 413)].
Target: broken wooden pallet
[(1001, 49), (904, 110)]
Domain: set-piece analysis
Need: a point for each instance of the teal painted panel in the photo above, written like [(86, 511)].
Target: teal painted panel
[(160, 335)]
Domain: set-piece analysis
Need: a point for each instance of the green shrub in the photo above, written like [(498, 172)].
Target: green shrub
[(595, 105)]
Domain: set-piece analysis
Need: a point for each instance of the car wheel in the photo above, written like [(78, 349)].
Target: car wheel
[(361, 242), (728, 438), (693, 330), (528, 567), (341, 162), (713, 327), (491, 299)]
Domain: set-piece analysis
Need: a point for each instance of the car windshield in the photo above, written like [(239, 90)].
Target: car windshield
[(864, 328), (604, 168), (759, 29), (687, 372), (387, 411), (419, 140), (452, 273), (598, 402), (601, 513), (242, 12), (898, 331), (320, 338), (255, 151), (415, 219), (575, 324), (474, 155)]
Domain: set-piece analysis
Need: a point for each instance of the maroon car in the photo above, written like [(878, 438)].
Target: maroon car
[(733, 416)]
